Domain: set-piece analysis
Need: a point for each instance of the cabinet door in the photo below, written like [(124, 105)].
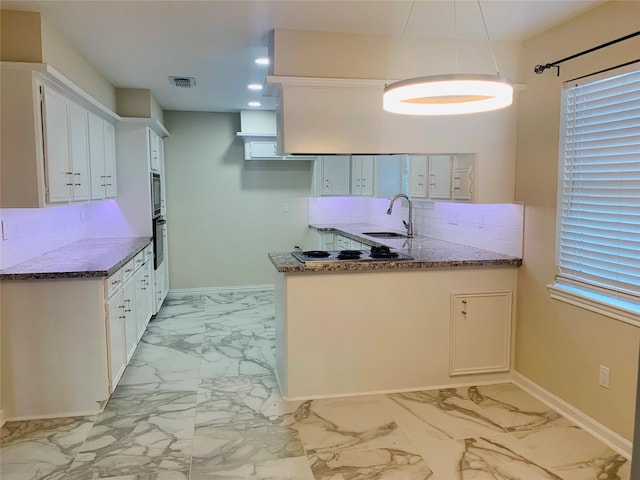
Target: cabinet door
[(130, 328), (418, 176), (141, 288), (362, 179), (462, 184), (96, 157), (335, 174), (79, 143), (260, 149), (109, 136), (154, 151), (480, 332), (56, 147), (440, 176), (117, 346)]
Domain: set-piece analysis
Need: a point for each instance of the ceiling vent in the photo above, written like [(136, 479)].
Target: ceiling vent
[(182, 82)]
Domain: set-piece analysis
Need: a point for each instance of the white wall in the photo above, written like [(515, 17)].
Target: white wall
[(225, 214)]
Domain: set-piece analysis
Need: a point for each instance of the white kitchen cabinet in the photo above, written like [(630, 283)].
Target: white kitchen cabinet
[(439, 177), (130, 326), (418, 174), (155, 151), (362, 175), (144, 290), (43, 161), (480, 339), (326, 241), (342, 242), (139, 145), (64, 126), (116, 338), (462, 183), (334, 174), (102, 154), (260, 149)]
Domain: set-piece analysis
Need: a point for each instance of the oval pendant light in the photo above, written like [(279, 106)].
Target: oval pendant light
[(452, 94), (448, 94)]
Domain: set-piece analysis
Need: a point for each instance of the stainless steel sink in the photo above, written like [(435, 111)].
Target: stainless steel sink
[(385, 234)]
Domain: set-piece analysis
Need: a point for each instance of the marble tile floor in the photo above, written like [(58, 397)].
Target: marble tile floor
[(199, 401)]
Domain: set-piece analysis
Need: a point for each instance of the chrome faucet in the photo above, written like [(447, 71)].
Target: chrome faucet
[(408, 225)]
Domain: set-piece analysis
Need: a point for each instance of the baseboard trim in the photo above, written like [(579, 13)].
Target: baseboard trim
[(584, 421), (181, 292), (387, 392)]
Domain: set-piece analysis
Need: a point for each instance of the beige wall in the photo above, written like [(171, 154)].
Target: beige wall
[(138, 102), (558, 346), (20, 39), (224, 213), (69, 61)]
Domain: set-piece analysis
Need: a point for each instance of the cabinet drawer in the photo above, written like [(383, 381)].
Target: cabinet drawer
[(127, 271), (114, 283), (138, 260), (148, 252)]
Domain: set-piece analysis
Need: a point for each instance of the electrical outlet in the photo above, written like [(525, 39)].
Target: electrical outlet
[(604, 376), (285, 208)]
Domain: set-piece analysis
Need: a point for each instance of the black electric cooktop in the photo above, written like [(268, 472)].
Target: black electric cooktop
[(325, 256)]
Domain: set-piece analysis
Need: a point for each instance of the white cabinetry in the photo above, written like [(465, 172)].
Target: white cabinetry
[(480, 332), (362, 175), (461, 183), (144, 296), (102, 152), (155, 151), (64, 126), (44, 137), (139, 148), (418, 171), (334, 174), (116, 335), (440, 176)]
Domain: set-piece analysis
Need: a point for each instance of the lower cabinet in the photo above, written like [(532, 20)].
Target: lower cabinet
[(480, 338), (117, 351), (64, 354)]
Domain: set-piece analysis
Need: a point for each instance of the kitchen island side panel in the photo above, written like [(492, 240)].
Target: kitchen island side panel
[(54, 348), (366, 332)]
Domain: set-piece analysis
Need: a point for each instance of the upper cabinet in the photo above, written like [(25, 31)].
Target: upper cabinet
[(362, 175), (57, 142), (102, 150), (447, 177)]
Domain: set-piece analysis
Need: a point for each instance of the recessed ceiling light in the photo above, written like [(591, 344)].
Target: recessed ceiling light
[(254, 104), (262, 61), (254, 86)]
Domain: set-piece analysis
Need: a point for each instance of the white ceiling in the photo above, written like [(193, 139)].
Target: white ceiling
[(138, 44)]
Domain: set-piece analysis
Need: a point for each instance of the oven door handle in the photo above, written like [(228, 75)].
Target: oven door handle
[(161, 221)]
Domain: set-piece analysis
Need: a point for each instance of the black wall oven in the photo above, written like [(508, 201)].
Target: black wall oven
[(159, 234), (156, 195)]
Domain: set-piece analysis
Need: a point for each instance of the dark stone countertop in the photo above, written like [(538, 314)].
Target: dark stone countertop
[(92, 257), (426, 252)]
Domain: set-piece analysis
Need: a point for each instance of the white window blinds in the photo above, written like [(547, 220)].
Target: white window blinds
[(599, 184)]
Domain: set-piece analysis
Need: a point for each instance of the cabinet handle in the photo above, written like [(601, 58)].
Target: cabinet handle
[(77, 184), (77, 173), (115, 282), (123, 317), (69, 184)]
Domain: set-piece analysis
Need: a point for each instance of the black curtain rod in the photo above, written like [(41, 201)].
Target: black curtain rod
[(541, 68)]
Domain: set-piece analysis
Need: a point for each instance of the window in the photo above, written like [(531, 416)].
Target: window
[(598, 228)]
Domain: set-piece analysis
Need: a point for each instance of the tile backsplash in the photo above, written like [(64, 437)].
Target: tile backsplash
[(29, 232), (494, 227)]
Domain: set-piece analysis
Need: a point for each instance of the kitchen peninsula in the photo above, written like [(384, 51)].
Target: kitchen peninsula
[(357, 327)]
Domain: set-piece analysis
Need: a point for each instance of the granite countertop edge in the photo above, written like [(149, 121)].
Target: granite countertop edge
[(428, 253), (88, 258)]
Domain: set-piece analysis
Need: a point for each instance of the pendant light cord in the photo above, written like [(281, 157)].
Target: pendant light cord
[(404, 30), (495, 63)]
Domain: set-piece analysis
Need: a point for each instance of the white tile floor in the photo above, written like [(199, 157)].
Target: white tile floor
[(199, 401)]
